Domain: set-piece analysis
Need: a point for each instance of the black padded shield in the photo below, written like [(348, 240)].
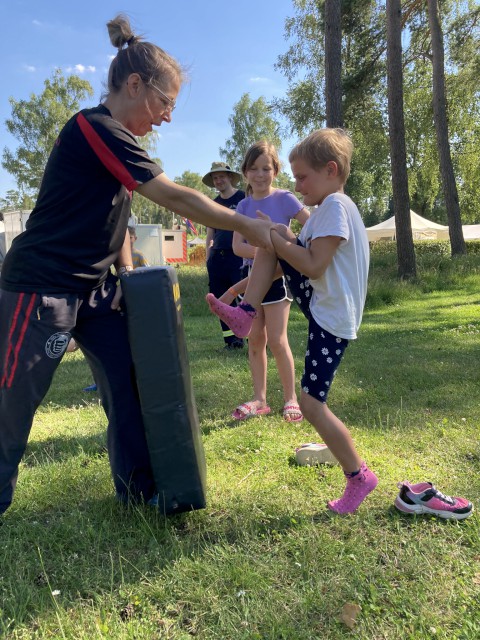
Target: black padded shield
[(157, 340)]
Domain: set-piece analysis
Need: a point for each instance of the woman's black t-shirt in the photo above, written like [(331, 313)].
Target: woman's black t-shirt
[(78, 225)]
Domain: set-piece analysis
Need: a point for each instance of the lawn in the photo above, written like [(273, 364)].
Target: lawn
[(266, 559)]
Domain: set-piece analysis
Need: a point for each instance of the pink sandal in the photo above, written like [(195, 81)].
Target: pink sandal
[(250, 410), (291, 412)]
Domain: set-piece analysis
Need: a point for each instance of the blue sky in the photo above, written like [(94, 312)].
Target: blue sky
[(229, 48)]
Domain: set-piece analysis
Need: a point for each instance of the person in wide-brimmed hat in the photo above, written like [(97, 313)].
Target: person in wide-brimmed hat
[(221, 167), (224, 267)]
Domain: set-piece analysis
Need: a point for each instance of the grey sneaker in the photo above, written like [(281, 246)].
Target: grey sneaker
[(314, 453)]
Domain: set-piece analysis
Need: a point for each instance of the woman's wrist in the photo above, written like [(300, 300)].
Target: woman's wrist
[(123, 269)]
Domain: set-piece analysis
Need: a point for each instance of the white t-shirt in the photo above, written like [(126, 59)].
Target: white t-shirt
[(339, 295)]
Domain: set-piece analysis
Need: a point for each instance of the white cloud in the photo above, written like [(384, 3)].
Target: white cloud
[(259, 79), (81, 68), (29, 67)]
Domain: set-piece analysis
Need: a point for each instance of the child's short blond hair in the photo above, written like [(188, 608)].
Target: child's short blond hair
[(323, 146)]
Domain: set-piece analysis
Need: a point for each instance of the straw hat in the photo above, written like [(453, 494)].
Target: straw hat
[(223, 167)]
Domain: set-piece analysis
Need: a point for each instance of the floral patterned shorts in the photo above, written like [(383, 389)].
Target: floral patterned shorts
[(324, 350)]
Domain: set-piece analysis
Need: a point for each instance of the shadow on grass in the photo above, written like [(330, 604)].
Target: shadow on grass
[(71, 377), (61, 448), (98, 550)]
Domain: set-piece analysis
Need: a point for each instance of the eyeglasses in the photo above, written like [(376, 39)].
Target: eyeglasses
[(169, 103)]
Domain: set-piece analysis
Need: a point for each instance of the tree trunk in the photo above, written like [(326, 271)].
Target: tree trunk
[(398, 156), (333, 63), (439, 98)]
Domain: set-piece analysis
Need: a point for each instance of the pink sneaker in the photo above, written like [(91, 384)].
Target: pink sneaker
[(424, 498), (236, 318), (356, 491)]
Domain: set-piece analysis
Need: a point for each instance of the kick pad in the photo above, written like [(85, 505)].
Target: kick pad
[(157, 340)]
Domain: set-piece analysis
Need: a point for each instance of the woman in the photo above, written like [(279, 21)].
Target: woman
[(56, 281)]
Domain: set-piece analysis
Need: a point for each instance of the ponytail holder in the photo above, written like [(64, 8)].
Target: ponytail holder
[(130, 40)]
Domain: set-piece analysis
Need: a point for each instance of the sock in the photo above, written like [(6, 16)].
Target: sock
[(247, 307), (352, 474)]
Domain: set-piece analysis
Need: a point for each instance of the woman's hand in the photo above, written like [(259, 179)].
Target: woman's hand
[(117, 297), (257, 232)]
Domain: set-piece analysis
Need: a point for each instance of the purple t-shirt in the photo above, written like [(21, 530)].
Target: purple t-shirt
[(281, 206)]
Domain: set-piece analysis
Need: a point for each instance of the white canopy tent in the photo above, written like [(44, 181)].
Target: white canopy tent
[(2, 241), (422, 229), (471, 231)]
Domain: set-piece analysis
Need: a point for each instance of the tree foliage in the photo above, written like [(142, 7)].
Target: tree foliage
[(36, 123), (194, 181), (252, 120), (362, 85), (148, 212), (364, 98), (16, 201)]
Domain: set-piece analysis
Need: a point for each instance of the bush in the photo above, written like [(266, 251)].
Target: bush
[(473, 247), (197, 255), (422, 248), (436, 270)]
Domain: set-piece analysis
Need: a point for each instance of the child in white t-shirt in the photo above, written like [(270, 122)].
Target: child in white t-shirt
[(327, 270)]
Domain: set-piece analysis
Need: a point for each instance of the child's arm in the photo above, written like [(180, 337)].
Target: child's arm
[(233, 292), (312, 262), (302, 216), (241, 247), (209, 241)]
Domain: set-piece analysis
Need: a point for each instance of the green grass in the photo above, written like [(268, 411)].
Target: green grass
[(266, 560)]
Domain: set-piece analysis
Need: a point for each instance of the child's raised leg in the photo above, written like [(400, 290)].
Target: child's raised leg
[(240, 287), (360, 479), (240, 318)]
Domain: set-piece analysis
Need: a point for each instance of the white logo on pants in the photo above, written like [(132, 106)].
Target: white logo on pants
[(57, 344)]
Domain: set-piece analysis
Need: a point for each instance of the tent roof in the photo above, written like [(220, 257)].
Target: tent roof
[(196, 241), (471, 231), (421, 227), (2, 241)]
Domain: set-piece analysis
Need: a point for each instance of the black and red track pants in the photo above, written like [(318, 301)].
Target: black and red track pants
[(34, 333)]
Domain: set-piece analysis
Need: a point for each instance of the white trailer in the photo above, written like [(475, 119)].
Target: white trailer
[(160, 246)]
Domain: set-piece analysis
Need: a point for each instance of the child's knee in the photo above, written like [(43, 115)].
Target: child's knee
[(276, 342), (257, 342), (310, 407)]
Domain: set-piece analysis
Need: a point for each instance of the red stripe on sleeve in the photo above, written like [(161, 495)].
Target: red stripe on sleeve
[(105, 155)]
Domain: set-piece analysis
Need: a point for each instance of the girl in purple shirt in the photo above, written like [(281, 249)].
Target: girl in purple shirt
[(260, 167)]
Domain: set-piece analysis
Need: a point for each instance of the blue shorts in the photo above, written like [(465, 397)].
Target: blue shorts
[(277, 292), (324, 350)]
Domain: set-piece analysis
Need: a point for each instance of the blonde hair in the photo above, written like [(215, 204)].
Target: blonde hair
[(323, 146), (262, 147), (151, 62)]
